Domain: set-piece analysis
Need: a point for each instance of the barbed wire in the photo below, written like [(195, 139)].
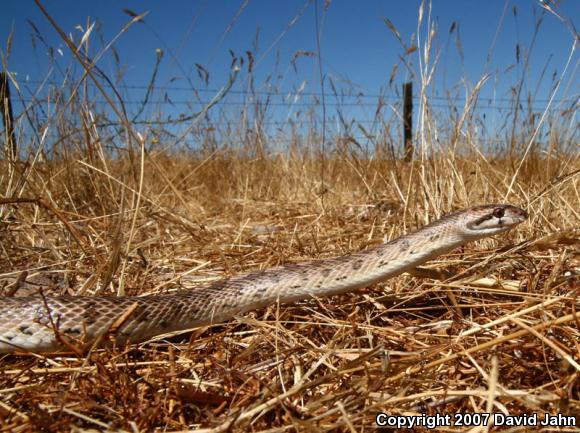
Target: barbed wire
[(289, 121), (295, 99), (481, 106), (296, 93)]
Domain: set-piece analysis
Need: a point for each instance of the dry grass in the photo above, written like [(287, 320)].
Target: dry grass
[(103, 210), (406, 346)]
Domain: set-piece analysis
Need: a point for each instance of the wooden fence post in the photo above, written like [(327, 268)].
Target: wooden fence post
[(8, 119), (408, 120)]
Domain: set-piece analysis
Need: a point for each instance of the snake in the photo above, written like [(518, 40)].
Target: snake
[(39, 323)]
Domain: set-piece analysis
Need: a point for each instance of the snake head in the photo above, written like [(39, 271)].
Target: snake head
[(491, 219)]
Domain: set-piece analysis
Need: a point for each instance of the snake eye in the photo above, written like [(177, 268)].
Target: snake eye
[(499, 212)]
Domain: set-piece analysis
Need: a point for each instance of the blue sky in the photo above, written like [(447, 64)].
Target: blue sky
[(358, 50)]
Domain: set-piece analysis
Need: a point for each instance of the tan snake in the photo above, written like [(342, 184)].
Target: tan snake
[(41, 324)]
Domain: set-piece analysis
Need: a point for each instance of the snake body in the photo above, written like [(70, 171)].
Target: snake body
[(44, 324)]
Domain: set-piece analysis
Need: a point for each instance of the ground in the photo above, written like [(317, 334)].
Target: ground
[(492, 326)]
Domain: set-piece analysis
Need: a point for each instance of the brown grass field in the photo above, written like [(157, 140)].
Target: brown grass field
[(491, 327)]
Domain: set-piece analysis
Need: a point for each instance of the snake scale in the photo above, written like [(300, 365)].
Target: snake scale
[(45, 324)]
